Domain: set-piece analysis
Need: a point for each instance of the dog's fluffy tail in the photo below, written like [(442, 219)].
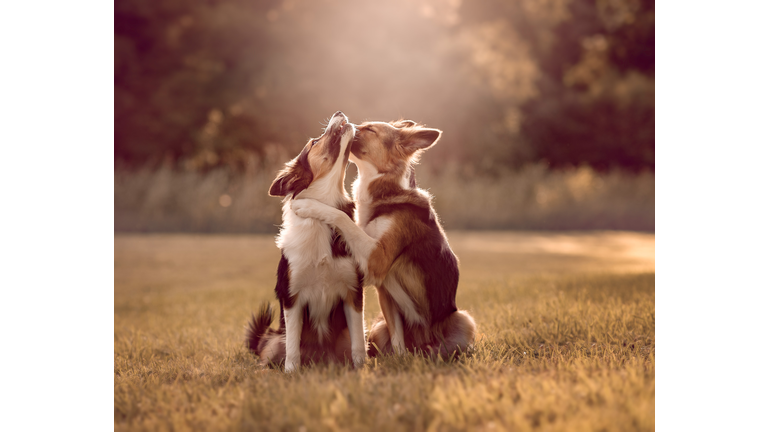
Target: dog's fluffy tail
[(258, 327)]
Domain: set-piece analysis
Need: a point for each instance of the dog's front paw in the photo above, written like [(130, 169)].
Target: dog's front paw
[(302, 207), (309, 208), (291, 366), (359, 358)]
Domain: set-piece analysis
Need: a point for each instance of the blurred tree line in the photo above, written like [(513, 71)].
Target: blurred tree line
[(244, 83)]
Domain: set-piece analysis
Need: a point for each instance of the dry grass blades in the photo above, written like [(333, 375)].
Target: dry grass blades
[(567, 342)]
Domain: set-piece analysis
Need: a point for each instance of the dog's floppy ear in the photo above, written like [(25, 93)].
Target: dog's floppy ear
[(415, 139), (294, 178)]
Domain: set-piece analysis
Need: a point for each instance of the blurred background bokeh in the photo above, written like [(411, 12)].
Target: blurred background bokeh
[(547, 106)]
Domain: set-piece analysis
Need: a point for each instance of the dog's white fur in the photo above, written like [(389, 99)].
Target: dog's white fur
[(322, 279), (362, 237)]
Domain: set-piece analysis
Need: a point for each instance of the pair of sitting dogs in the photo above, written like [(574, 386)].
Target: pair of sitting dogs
[(396, 244)]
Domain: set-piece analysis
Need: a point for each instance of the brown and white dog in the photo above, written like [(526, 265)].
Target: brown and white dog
[(319, 285), (399, 242)]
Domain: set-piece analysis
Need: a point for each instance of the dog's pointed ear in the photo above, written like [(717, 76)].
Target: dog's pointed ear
[(415, 139), (294, 178), (403, 123)]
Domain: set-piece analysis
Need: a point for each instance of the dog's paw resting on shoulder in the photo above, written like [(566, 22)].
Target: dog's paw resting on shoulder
[(309, 208)]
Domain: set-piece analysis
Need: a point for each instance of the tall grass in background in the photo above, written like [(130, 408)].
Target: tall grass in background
[(164, 199), (537, 198)]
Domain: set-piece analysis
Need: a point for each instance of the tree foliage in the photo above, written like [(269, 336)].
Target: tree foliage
[(225, 82)]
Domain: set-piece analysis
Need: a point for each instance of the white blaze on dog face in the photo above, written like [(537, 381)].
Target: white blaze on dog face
[(331, 149), (389, 146), (319, 157)]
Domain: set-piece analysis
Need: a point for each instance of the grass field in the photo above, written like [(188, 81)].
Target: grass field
[(566, 327)]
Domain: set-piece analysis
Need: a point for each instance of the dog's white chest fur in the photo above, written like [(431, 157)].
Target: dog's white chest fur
[(316, 277)]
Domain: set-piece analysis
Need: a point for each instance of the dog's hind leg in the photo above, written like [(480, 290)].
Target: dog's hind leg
[(273, 350), (393, 319), (457, 333), (379, 338)]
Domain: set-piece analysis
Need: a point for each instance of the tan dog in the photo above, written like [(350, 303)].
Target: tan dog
[(319, 285), (399, 242)]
